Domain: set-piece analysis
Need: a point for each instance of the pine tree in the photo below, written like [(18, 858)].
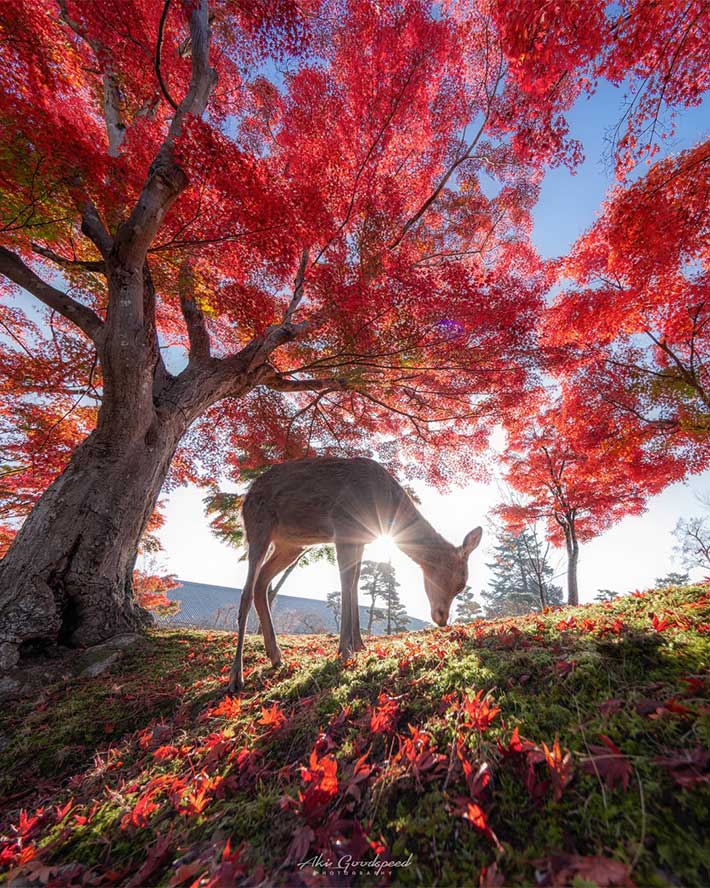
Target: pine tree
[(522, 577), (606, 595), (467, 608), (397, 619), (334, 601), (374, 583), (672, 578)]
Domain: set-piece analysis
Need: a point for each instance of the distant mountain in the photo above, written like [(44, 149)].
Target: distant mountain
[(216, 607)]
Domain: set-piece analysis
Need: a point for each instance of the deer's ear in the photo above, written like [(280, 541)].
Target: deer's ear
[(471, 541)]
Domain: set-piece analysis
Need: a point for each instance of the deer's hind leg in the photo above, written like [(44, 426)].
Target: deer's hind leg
[(282, 556), (258, 547), (349, 558)]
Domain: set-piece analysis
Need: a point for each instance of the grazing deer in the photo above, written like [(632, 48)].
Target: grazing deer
[(350, 502)]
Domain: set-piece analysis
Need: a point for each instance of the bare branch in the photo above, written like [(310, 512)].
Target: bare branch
[(65, 262), (15, 269), (158, 73), (272, 379), (460, 158), (91, 224)]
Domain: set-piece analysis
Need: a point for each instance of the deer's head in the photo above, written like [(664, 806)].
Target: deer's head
[(445, 577)]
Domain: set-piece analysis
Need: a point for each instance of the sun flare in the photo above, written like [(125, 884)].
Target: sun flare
[(382, 549)]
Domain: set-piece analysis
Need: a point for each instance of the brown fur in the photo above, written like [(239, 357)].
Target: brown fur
[(349, 502)]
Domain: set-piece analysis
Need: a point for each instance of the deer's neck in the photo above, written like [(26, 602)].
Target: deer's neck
[(417, 538)]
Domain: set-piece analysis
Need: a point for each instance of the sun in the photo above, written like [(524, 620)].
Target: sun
[(382, 549)]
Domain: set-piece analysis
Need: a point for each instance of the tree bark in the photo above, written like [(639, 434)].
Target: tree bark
[(572, 546), (68, 576)]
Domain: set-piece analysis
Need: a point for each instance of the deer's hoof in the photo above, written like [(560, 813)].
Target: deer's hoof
[(276, 660), (235, 685)]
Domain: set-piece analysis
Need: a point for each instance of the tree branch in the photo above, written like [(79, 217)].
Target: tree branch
[(297, 287), (91, 224), (166, 180), (64, 262), (460, 158), (115, 127), (158, 49), (15, 269), (194, 318), (271, 378)]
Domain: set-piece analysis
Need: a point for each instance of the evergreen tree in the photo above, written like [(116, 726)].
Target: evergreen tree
[(522, 577), (672, 578), (396, 613), (374, 583), (467, 608), (606, 595), (334, 601)]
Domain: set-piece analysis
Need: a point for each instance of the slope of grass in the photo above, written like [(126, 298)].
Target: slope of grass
[(568, 748)]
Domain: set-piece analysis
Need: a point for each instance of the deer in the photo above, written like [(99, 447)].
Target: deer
[(349, 502)]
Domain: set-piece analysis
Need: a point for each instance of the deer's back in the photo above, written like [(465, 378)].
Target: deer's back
[(314, 500)]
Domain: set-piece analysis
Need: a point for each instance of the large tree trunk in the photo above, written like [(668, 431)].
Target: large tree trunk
[(67, 578), (572, 546)]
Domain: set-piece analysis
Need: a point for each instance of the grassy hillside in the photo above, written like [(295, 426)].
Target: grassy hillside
[(564, 749)]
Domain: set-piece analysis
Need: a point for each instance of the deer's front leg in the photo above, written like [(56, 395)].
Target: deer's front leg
[(236, 675), (257, 550), (349, 557)]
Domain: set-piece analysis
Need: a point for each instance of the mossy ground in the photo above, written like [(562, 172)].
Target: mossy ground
[(148, 775)]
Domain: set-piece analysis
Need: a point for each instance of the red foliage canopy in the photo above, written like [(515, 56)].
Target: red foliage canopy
[(354, 197), (632, 328), (579, 476), (362, 171)]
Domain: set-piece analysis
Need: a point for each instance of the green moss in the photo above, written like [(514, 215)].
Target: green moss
[(150, 728)]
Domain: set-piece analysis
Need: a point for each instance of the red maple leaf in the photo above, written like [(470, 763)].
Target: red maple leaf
[(230, 707), (562, 870), (477, 712), (476, 816), (609, 707), (320, 778), (139, 815), (418, 756), (560, 767), (273, 717), (609, 763), (384, 715), (361, 771), (688, 767), (477, 779), (158, 854)]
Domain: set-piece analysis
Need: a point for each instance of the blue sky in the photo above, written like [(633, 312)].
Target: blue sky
[(629, 556), (568, 201)]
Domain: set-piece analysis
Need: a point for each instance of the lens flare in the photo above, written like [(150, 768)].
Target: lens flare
[(382, 549)]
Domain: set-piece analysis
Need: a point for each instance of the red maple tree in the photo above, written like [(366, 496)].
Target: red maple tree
[(631, 329), (659, 52), (580, 473), (263, 229)]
